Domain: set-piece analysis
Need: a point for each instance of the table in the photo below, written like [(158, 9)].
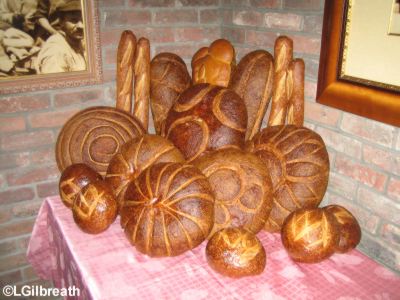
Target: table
[(106, 266)]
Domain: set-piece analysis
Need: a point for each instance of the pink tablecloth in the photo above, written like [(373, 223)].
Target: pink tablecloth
[(106, 266)]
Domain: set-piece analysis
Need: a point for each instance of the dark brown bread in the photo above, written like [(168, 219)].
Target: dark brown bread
[(168, 209), (73, 179), (310, 235), (349, 229), (95, 208), (252, 80), (204, 118), (242, 188), (298, 162), (94, 135), (236, 252), (137, 155), (169, 78), (295, 87)]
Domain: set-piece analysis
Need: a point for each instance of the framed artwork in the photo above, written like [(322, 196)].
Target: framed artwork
[(48, 44), (359, 61)]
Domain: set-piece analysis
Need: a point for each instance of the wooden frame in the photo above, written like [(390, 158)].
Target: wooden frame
[(376, 103), (92, 74)]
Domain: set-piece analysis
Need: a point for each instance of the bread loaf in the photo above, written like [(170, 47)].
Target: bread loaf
[(206, 117), (298, 162), (349, 229), (168, 209), (73, 179), (310, 235), (283, 53), (169, 78), (125, 63), (142, 82), (252, 80), (95, 208), (242, 188), (137, 155), (295, 77), (236, 252), (214, 64)]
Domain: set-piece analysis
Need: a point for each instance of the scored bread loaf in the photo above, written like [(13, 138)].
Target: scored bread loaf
[(169, 78), (206, 117), (295, 86), (214, 64), (168, 209), (298, 162), (252, 80)]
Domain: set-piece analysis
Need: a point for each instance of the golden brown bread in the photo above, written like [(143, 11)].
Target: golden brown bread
[(236, 252), (95, 208), (142, 82), (94, 135), (73, 179), (295, 86), (204, 118), (310, 235), (214, 64), (252, 80), (137, 155), (168, 209), (169, 78), (298, 162), (283, 53), (242, 188), (349, 229), (125, 63)]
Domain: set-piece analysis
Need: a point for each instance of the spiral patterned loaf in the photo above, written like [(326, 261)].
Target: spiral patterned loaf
[(168, 210), (93, 136), (242, 188), (206, 117), (236, 252), (310, 235), (169, 78), (298, 162), (137, 155)]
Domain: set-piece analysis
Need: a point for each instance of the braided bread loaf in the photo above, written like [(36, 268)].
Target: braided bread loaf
[(242, 188), (168, 209), (298, 162), (206, 117)]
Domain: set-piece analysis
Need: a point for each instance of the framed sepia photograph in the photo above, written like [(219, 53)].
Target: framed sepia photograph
[(394, 24), (359, 64), (47, 44)]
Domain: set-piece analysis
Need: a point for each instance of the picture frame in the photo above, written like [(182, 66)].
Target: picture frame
[(91, 75), (375, 100)]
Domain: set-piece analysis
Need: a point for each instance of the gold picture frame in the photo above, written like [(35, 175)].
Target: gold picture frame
[(10, 84)]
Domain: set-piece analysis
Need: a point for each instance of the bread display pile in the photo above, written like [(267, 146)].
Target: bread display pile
[(210, 173)]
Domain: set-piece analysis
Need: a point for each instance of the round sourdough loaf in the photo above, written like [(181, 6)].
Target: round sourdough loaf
[(242, 188), (298, 162), (310, 235), (206, 117), (168, 209), (236, 252)]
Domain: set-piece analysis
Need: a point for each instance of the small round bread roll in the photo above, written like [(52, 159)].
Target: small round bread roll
[(350, 231), (73, 179), (95, 207), (310, 235), (236, 252)]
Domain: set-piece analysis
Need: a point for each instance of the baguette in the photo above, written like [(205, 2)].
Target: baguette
[(296, 93)]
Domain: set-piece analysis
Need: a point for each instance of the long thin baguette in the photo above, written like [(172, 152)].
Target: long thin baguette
[(296, 96)]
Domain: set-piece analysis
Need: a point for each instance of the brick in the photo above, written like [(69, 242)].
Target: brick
[(10, 278), (155, 35), (321, 114), (311, 67), (306, 44), (14, 160), (24, 103), (234, 35), (77, 97), (16, 228), (109, 76), (359, 172), (310, 89), (126, 18), (8, 247), (384, 159), (51, 119), (266, 3), (196, 34), (380, 205), (27, 176), (151, 3), (309, 125), (369, 130), (235, 3), (13, 262), (176, 16), (261, 38), (26, 140), (12, 124), (198, 2), (313, 24), (23, 242), (43, 156), (47, 189), (5, 215), (26, 209), (284, 21), (185, 51), (342, 185), (16, 195), (227, 16), (210, 16), (302, 5), (391, 234), (110, 92), (29, 274), (110, 57), (248, 18), (108, 3), (339, 142), (398, 141), (393, 189)]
